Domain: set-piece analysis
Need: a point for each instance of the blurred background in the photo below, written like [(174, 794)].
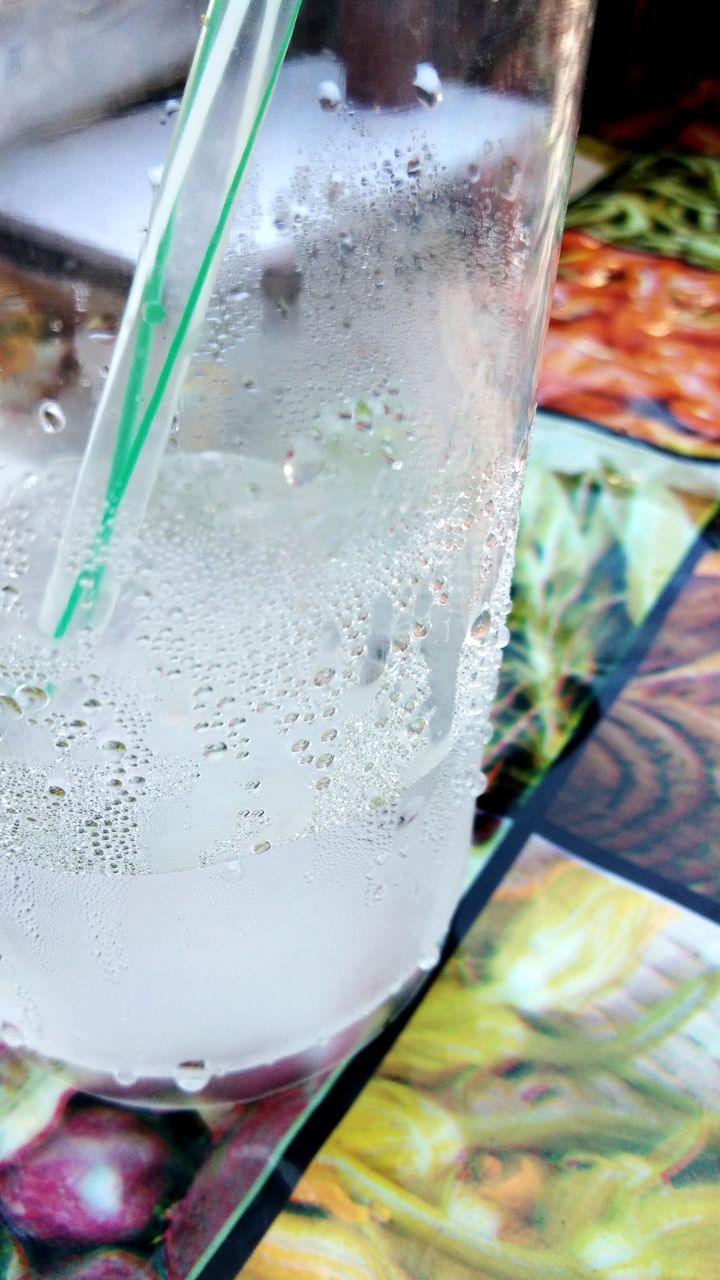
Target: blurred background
[(61, 60), (646, 56)]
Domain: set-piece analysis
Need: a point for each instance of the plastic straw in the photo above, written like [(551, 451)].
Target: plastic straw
[(208, 159)]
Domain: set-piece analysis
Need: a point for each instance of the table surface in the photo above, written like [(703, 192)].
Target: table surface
[(550, 1106)]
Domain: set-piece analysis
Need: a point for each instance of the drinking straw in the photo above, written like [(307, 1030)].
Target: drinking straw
[(236, 65)]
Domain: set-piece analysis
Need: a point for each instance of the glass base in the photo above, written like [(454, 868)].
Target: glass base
[(246, 1084)]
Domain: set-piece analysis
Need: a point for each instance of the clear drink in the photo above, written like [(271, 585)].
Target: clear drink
[(235, 818)]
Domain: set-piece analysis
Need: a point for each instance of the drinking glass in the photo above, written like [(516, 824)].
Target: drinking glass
[(235, 810)]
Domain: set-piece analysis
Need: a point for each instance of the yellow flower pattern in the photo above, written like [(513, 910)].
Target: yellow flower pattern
[(526, 1124)]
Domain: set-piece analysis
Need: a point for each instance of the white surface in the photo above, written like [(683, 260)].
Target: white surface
[(77, 60), (92, 190)]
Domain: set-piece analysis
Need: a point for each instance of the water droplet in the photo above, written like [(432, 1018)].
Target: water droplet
[(389, 453), (301, 745), (427, 84), (481, 625), (323, 676), (9, 705), (322, 783), (253, 785), (32, 696), (410, 811), (261, 846), (329, 95), (324, 761), (114, 747), (214, 749), (420, 629), (400, 642), (413, 166), (169, 109), (522, 455), (417, 725), (329, 735), (92, 704), (232, 871), (303, 462), (52, 417), (192, 1076), (11, 1035), (428, 962), (56, 791), (503, 637), (125, 1077)]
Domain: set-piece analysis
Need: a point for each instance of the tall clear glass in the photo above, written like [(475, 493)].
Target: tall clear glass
[(235, 813)]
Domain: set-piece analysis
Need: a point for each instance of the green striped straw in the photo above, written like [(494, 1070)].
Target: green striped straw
[(236, 65)]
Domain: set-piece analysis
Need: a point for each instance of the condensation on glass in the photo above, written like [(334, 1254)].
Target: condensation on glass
[(234, 817)]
